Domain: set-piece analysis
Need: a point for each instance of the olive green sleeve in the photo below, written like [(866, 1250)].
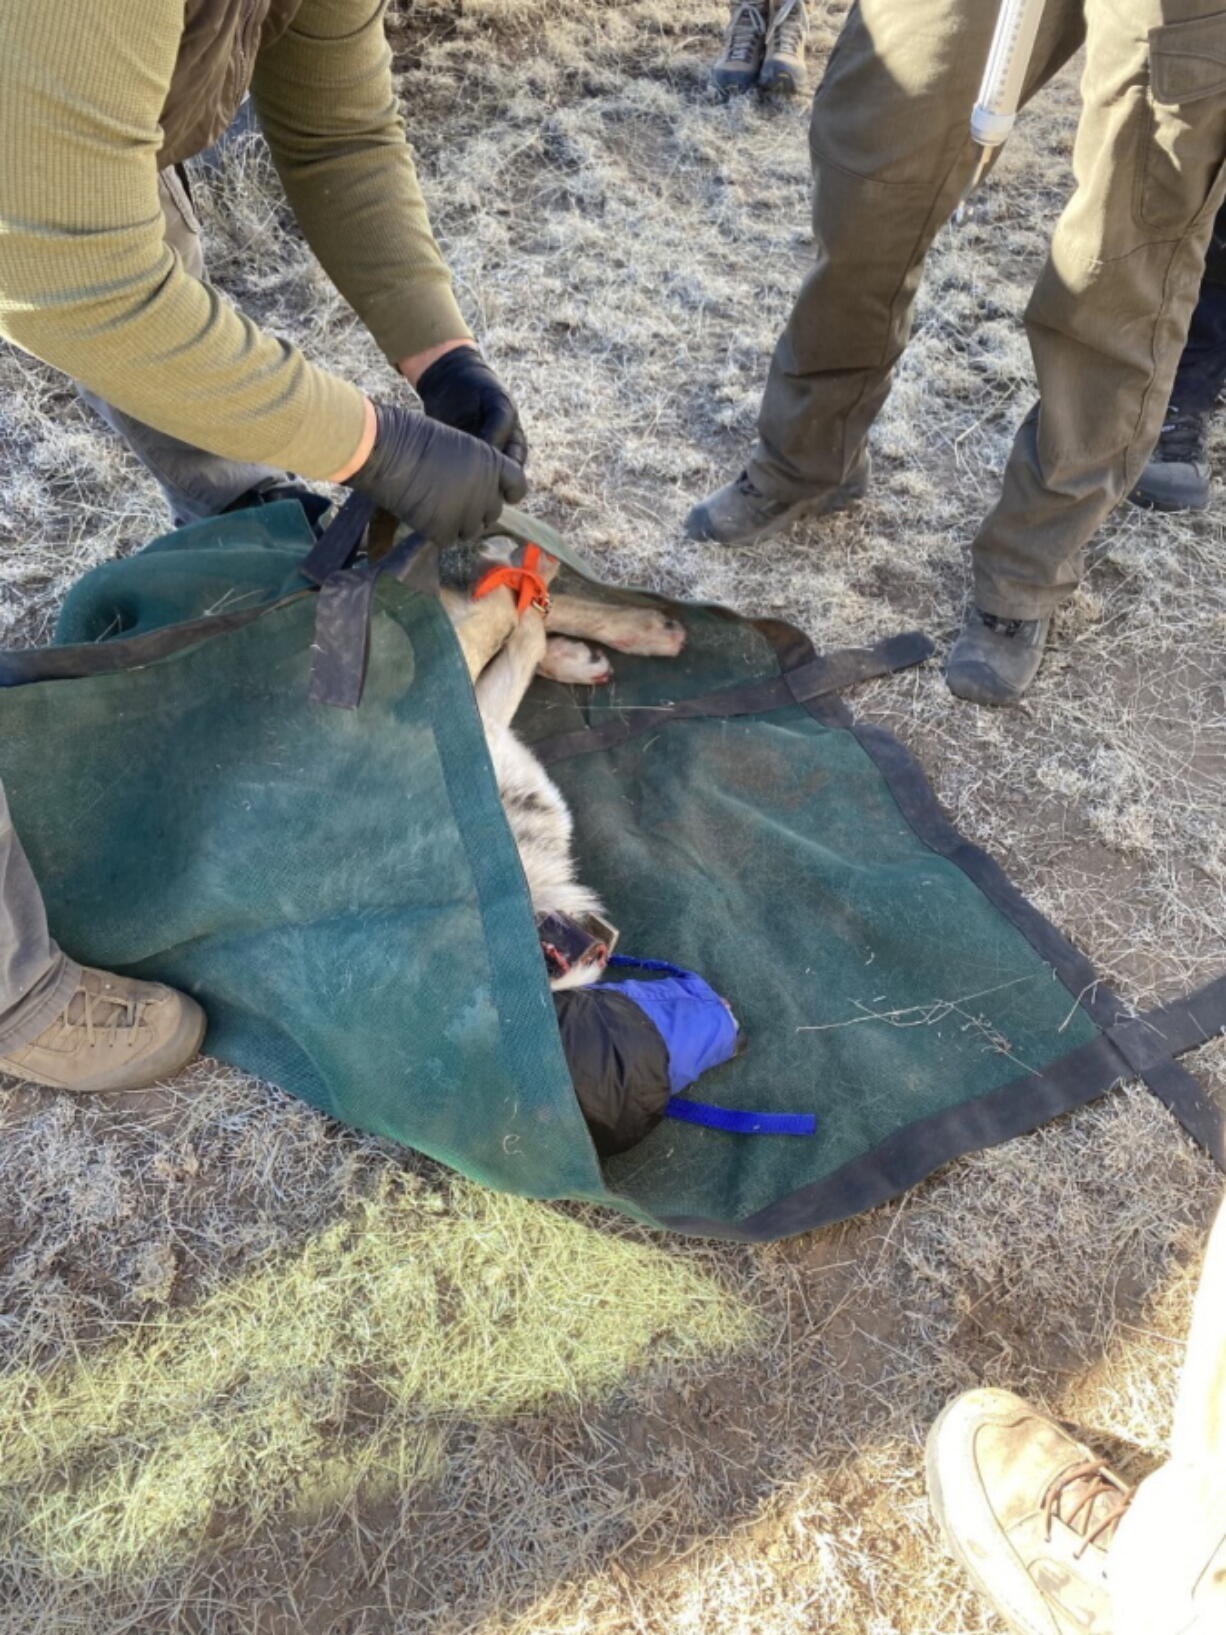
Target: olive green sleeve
[(86, 280), (323, 93)]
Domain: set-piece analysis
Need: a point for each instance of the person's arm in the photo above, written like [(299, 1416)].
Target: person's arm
[(86, 280), (324, 98)]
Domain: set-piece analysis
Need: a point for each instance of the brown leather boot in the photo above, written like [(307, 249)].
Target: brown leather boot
[(1028, 1511), (114, 1034)]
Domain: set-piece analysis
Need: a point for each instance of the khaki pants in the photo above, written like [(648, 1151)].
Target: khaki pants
[(1107, 321), (36, 979), (196, 484), (1167, 1566)]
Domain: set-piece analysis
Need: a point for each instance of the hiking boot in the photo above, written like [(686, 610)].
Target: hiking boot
[(1027, 1511), (994, 660), (736, 67), (741, 514), (1176, 477), (783, 67), (114, 1034)]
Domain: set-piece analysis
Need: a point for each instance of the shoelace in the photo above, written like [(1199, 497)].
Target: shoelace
[(1003, 627), (1100, 1484), (126, 1016), (789, 29), (747, 27), (1183, 436)]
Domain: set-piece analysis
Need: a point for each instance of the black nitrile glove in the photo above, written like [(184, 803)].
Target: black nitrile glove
[(461, 390), (441, 482)]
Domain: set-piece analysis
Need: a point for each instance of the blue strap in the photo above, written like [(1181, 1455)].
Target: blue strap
[(629, 961), (731, 1119), (739, 1123)]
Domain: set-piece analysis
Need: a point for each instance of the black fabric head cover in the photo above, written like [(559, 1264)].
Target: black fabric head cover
[(618, 1064)]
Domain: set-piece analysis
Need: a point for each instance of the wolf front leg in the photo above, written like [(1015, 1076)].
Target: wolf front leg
[(506, 679), (482, 627)]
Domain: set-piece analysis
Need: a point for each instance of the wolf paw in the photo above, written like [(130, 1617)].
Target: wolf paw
[(644, 631), (576, 662)]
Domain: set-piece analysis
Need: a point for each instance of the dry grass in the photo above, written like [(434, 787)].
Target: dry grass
[(330, 1375), (266, 1376)]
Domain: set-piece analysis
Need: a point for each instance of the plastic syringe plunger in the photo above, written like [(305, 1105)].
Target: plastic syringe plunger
[(991, 129), (1004, 75), (1004, 79)]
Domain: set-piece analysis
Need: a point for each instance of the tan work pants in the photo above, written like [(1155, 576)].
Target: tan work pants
[(36, 979), (1107, 321), (1167, 1566)]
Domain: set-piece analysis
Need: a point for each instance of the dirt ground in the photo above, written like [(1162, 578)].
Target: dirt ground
[(261, 1375)]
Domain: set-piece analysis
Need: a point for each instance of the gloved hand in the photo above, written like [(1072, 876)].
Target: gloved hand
[(461, 390), (443, 483)]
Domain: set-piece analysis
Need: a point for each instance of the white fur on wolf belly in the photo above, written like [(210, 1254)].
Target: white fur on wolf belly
[(541, 822)]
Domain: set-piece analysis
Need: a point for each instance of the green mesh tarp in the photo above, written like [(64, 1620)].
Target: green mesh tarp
[(340, 890)]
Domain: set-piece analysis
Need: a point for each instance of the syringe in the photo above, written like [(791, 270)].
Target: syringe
[(1001, 91)]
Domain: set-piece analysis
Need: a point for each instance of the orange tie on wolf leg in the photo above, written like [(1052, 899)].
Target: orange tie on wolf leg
[(524, 582)]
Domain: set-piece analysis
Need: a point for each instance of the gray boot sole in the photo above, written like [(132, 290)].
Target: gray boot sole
[(726, 82), (978, 683), (783, 80), (1172, 486), (970, 672)]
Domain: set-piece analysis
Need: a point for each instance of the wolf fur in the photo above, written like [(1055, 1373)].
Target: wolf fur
[(503, 652)]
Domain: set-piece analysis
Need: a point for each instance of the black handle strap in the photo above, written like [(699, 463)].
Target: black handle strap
[(1149, 1044), (828, 673), (340, 541), (341, 650)]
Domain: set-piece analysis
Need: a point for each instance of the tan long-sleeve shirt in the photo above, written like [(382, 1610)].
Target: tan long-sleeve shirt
[(87, 282)]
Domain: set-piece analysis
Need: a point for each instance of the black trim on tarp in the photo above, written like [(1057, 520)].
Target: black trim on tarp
[(908, 783), (75, 663), (910, 1154), (342, 620), (1173, 1085), (332, 552), (1149, 1045), (821, 675), (1129, 1046)]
